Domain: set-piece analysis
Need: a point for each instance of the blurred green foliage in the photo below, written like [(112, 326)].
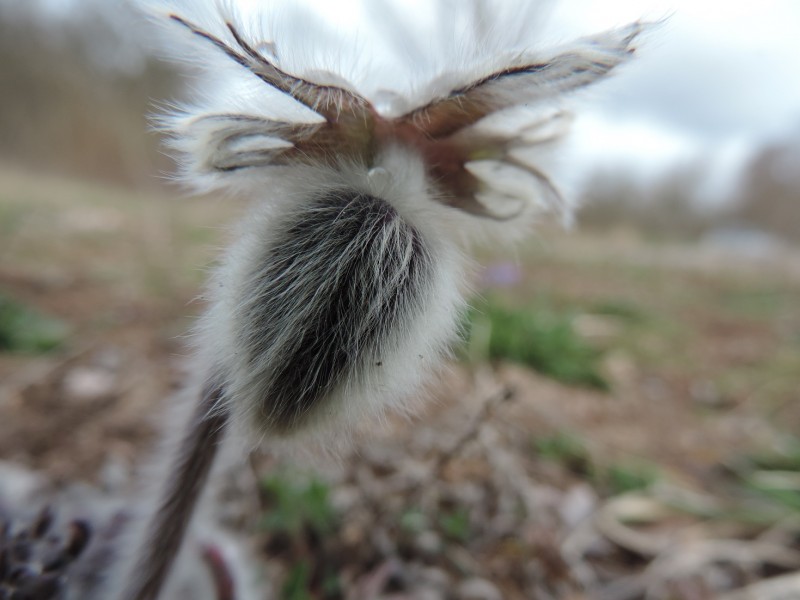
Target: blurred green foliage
[(783, 457), (297, 583), (774, 475), (566, 449), (301, 519), (455, 525), (627, 476), (623, 310), (25, 330), (297, 504), (538, 336), (616, 478)]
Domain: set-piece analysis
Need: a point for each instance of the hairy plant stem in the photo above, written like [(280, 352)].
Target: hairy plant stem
[(180, 492)]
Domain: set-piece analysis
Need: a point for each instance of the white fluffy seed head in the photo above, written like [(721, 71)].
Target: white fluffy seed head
[(419, 304), (343, 289)]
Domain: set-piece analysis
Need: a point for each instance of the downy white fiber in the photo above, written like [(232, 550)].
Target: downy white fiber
[(343, 289)]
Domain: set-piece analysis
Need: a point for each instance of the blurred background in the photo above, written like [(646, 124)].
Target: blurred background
[(622, 421)]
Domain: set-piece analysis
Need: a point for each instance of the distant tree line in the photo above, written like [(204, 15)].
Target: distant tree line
[(71, 102), (766, 198)]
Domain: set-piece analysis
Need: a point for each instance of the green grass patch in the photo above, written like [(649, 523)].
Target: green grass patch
[(297, 504), (774, 474), (623, 477), (784, 457), (571, 453), (537, 336), (297, 583), (300, 518), (780, 487), (566, 449), (455, 525), (25, 330)]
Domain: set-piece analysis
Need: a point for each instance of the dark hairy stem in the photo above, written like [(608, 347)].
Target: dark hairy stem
[(181, 490)]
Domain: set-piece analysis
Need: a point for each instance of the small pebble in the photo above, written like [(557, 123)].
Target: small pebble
[(478, 589)]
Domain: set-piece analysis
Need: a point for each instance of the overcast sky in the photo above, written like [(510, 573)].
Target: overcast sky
[(714, 81)]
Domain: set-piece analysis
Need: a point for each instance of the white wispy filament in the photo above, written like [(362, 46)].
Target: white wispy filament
[(342, 291)]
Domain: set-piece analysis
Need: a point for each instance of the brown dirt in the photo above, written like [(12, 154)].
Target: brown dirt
[(705, 385)]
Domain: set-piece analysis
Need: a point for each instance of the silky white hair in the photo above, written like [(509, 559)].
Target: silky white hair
[(294, 137), (343, 288), (402, 285)]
